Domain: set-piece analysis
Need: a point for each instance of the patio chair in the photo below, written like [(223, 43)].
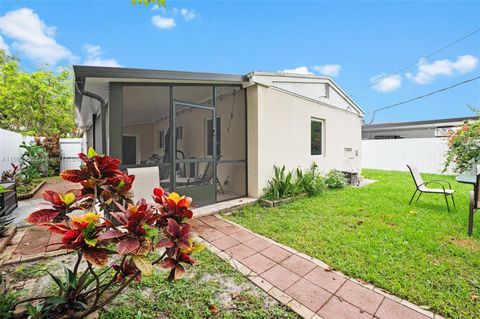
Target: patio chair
[(422, 187), (474, 198), (146, 179), (207, 176)]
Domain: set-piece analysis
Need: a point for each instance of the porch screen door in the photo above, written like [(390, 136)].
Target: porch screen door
[(194, 167)]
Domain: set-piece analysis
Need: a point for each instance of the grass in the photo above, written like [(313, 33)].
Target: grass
[(419, 252), (34, 270), (210, 289)]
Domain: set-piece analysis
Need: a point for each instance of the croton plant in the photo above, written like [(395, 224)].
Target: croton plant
[(117, 239)]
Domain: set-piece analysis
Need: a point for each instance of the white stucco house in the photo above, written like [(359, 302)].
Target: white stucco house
[(179, 120)]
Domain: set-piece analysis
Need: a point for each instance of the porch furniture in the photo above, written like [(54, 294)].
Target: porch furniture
[(8, 199), (422, 187), (146, 179), (207, 176), (474, 195)]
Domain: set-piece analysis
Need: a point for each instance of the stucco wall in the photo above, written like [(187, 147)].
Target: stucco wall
[(279, 134), (145, 134)]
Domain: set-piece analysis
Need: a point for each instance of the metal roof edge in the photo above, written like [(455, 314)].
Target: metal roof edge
[(423, 122), (86, 71)]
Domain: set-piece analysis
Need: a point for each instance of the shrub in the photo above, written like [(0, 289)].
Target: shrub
[(142, 228), (335, 179), (282, 184), (5, 218), (287, 184), (51, 143), (310, 181), (34, 161), (11, 175), (464, 147)]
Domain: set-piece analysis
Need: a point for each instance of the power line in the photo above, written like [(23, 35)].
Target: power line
[(422, 96), (425, 57)]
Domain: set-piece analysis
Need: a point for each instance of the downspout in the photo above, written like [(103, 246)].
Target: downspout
[(103, 109)]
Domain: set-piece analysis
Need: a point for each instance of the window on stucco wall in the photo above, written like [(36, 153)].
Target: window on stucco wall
[(316, 136)]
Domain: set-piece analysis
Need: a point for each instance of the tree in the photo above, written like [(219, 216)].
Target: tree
[(464, 146), (38, 103), (160, 3)]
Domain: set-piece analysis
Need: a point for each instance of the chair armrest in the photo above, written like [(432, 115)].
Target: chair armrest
[(434, 182), (441, 181)]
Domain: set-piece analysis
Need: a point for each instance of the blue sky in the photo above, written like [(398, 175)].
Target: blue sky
[(359, 44)]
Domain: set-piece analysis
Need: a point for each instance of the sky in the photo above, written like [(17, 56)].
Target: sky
[(360, 45)]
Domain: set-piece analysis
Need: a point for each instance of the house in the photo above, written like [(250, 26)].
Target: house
[(415, 129), (178, 120)]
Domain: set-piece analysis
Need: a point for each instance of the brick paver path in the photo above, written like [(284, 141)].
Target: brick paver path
[(31, 243), (307, 285), (57, 185)]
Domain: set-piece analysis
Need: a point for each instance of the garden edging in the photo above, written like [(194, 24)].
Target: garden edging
[(31, 193), (277, 202)]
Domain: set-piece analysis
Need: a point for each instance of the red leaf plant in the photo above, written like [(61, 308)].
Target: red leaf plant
[(106, 229)]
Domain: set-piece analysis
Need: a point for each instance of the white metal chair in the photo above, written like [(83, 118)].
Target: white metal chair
[(421, 187), (146, 179)]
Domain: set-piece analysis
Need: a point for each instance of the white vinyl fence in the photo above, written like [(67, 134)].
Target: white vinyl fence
[(428, 154), (10, 151), (70, 147)]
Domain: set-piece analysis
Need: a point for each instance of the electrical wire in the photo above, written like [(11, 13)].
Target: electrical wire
[(425, 57), (422, 96)]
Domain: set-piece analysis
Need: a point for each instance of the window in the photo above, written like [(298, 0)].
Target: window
[(161, 139), (316, 136), (209, 136), (179, 132)]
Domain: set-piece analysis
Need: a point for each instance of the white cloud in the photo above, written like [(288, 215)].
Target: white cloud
[(33, 38), (163, 23), (427, 72), (299, 70), (188, 14), (4, 45), (94, 57), (328, 69), (156, 7), (386, 83)]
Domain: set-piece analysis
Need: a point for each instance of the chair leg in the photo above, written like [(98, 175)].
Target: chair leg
[(446, 201), (220, 184), (413, 197), (453, 200), (471, 211), (420, 194)]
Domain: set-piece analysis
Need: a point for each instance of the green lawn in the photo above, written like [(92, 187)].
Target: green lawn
[(211, 283), (419, 252)]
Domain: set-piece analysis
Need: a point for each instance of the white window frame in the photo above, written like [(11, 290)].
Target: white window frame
[(323, 140)]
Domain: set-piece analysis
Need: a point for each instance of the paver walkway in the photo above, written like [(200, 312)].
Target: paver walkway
[(307, 285), (31, 243)]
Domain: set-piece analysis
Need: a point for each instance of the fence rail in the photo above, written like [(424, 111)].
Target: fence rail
[(428, 154), (70, 147)]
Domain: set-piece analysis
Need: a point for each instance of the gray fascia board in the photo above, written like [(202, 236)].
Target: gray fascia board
[(84, 71)]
